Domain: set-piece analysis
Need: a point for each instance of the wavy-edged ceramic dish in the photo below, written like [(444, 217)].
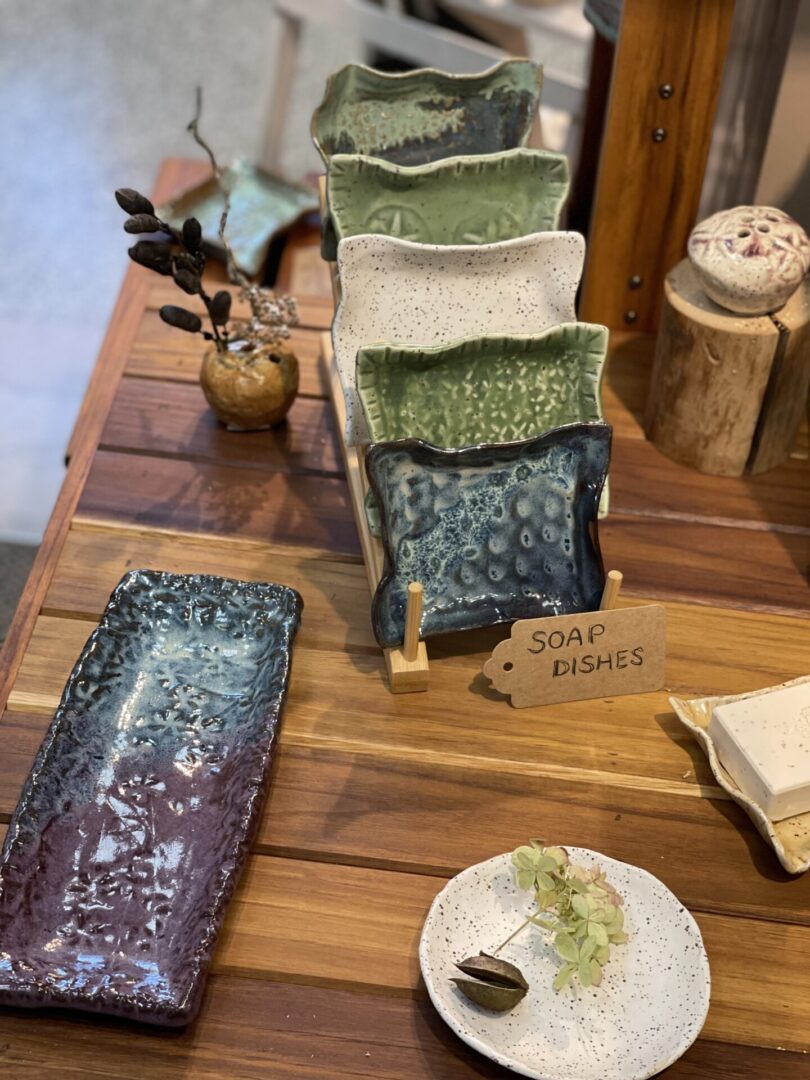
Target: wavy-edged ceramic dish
[(426, 294), (136, 819), (492, 533), (789, 838), (262, 207), (648, 1011), (497, 388), (461, 200), (418, 116)]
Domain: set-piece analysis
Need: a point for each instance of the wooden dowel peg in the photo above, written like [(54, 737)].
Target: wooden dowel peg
[(413, 619), (611, 592)]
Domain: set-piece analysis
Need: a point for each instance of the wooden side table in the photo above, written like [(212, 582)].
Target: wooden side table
[(377, 799)]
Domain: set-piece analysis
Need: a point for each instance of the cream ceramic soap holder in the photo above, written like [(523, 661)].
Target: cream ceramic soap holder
[(790, 837)]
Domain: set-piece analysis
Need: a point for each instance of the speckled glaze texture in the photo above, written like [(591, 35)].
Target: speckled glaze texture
[(137, 817), (648, 1011), (790, 838), (750, 259), (425, 294), (425, 115), (492, 533), (262, 207), (463, 200)]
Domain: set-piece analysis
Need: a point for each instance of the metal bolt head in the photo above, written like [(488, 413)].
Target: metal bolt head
[(659, 134), (630, 317), (634, 282), (666, 90)]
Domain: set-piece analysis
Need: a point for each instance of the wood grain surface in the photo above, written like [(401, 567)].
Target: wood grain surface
[(648, 191), (377, 799)]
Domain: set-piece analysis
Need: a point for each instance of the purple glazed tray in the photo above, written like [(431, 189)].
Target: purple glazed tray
[(137, 817)]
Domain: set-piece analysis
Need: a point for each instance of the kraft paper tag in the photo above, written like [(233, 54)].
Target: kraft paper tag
[(572, 657)]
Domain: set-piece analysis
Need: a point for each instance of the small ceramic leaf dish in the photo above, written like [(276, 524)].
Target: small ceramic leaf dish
[(790, 838), (137, 817), (262, 207), (419, 116), (461, 200), (492, 533), (648, 1011), (427, 294)]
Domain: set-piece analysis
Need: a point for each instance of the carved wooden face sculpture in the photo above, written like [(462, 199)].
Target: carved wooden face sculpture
[(750, 259)]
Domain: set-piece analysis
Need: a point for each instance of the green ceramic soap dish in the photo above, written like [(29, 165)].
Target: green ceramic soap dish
[(493, 389), (461, 200), (262, 207), (424, 115)]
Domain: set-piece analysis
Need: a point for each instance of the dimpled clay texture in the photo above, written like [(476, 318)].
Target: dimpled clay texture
[(492, 533), (750, 259), (137, 816), (422, 294), (419, 116), (476, 200), (648, 1011)]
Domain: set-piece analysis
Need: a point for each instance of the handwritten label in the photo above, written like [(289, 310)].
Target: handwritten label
[(573, 657)]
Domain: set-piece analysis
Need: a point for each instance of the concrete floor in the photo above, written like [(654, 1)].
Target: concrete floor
[(96, 93)]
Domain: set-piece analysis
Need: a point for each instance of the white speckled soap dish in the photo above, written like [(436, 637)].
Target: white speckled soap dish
[(404, 293), (648, 1011), (789, 838)]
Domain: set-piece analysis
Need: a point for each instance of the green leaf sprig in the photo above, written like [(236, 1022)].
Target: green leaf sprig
[(579, 907)]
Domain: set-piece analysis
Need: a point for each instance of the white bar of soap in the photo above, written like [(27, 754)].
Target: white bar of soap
[(763, 742)]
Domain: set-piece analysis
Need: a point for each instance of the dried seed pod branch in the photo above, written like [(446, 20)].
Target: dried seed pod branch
[(271, 316), (180, 256)]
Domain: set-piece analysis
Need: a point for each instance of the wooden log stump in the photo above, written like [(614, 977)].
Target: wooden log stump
[(727, 390)]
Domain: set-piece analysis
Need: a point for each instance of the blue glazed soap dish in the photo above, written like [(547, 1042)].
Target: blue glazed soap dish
[(492, 533)]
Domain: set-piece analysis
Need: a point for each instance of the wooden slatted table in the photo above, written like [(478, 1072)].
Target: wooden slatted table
[(377, 799)]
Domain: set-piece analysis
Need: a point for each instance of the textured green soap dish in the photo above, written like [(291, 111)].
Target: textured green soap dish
[(493, 389), (424, 115), (498, 388), (461, 200)]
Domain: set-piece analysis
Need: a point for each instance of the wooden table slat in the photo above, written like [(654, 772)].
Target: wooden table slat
[(154, 417), (253, 1029)]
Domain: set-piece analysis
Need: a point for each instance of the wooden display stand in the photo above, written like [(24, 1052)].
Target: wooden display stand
[(408, 670), (727, 391)]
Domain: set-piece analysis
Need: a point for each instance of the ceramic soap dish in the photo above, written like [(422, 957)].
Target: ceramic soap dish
[(789, 838), (462, 200), (419, 116)]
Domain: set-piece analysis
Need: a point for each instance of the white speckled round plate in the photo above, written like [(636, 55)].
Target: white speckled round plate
[(648, 1011)]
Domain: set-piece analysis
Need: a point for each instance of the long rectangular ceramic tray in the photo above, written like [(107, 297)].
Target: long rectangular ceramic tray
[(137, 817)]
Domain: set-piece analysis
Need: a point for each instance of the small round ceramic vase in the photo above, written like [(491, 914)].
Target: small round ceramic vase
[(250, 387), (750, 259)]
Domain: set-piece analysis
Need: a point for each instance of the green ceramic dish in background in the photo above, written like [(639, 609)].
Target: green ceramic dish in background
[(499, 388), (462, 200), (262, 207), (420, 116)]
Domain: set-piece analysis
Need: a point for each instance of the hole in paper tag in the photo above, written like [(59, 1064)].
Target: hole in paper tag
[(573, 657)]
